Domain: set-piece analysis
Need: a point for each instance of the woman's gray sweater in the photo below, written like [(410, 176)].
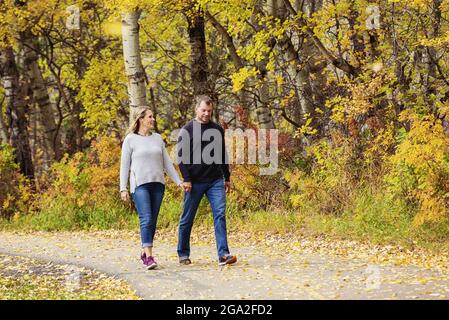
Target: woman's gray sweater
[(143, 160)]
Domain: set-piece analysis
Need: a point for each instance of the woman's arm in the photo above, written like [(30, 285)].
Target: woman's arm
[(168, 166), (125, 164)]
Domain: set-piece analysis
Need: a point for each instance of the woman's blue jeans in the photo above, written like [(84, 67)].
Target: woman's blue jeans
[(148, 199), (215, 193)]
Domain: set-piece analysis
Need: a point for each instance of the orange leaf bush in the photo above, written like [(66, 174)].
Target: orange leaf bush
[(15, 189)]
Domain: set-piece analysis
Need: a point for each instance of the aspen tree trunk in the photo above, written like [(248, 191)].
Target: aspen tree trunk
[(432, 52), (46, 117), (199, 64), (3, 131), (243, 98), (15, 112), (298, 70), (133, 62), (263, 112), (3, 128), (433, 63)]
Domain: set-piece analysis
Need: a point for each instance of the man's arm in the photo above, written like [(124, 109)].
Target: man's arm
[(225, 164), (184, 145)]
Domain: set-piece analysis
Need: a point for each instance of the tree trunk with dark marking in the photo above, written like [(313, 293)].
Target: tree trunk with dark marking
[(16, 112)]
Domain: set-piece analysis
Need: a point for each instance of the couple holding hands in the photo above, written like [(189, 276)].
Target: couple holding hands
[(144, 159)]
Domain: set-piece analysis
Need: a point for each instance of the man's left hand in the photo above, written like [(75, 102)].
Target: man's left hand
[(227, 186)]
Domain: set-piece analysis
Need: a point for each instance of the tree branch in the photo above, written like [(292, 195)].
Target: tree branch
[(229, 43), (339, 63)]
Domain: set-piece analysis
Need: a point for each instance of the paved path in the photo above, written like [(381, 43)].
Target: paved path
[(257, 275)]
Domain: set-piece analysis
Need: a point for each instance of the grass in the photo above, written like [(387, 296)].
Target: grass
[(65, 216), (369, 216), (373, 217), (268, 221)]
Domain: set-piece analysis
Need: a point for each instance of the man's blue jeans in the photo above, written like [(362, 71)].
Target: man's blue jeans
[(148, 199), (215, 193)]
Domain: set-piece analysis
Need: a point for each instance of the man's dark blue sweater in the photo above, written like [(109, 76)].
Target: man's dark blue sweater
[(202, 172)]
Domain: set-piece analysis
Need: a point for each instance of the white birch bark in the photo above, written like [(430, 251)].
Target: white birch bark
[(16, 111), (263, 112), (46, 117), (3, 131), (133, 62), (299, 75)]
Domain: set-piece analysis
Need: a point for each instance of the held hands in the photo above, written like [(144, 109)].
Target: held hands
[(124, 195), (186, 186), (227, 186)]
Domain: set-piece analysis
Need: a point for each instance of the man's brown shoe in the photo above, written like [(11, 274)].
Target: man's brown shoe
[(227, 260), (185, 261)]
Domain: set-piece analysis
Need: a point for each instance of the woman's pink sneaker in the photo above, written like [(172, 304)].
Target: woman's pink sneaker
[(148, 262)]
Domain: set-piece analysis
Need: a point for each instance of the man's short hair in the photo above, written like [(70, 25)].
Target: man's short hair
[(203, 98)]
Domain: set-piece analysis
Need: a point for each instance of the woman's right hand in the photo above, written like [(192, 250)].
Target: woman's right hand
[(124, 195), (186, 186)]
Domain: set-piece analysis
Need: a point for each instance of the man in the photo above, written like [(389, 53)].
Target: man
[(203, 165)]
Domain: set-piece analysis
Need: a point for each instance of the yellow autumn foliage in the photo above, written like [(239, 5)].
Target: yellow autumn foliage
[(420, 168)]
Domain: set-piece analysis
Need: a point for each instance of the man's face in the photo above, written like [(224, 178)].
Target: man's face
[(204, 112)]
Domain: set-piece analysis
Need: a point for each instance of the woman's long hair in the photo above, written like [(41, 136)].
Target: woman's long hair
[(139, 114)]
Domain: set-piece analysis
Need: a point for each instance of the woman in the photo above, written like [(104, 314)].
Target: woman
[(143, 161)]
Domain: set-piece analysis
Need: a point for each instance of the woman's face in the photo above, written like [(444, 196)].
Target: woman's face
[(147, 120)]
